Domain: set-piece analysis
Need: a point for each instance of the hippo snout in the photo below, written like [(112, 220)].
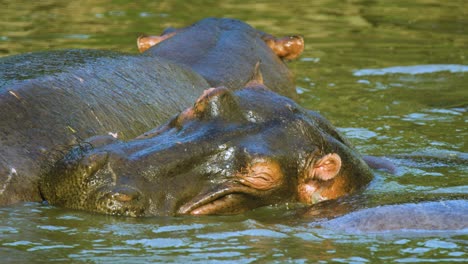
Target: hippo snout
[(90, 179)]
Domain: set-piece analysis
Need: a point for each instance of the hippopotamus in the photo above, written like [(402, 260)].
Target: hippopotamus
[(231, 151), (229, 71), (54, 99)]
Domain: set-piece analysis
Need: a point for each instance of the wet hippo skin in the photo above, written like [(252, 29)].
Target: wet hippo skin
[(53, 99), (230, 152), (244, 46)]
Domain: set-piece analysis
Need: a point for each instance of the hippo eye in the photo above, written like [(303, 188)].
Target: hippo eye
[(263, 174)]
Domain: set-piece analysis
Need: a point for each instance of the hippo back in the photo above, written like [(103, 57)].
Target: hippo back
[(122, 95)]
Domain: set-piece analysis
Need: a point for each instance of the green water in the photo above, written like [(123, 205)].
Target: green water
[(392, 75)]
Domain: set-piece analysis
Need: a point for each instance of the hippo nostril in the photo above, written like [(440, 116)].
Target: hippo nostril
[(125, 194), (95, 161), (122, 197), (120, 200)]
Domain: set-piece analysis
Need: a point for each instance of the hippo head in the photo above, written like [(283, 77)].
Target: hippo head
[(230, 152), (289, 47), (223, 51)]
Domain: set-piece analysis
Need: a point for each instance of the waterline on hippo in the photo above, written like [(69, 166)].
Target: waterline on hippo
[(231, 152)]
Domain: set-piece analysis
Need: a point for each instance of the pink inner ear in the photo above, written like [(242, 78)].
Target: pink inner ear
[(327, 167)]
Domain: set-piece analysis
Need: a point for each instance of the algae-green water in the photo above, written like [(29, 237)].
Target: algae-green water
[(391, 75)]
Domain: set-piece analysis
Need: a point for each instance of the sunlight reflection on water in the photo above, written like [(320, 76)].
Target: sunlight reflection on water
[(416, 69)]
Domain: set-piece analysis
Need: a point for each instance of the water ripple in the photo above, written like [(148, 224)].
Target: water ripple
[(413, 70), (250, 232), (157, 242)]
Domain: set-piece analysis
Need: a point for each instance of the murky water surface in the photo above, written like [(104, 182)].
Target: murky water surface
[(392, 75)]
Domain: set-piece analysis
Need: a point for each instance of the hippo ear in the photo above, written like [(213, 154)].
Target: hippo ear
[(218, 102), (145, 42), (327, 167), (257, 78), (288, 48)]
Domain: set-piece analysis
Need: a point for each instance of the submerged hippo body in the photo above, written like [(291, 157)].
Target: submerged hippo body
[(230, 152), (451, 215), (53, 99)]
